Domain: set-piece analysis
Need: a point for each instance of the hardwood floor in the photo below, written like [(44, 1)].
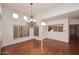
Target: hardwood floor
[(50, 47), (24, 48)]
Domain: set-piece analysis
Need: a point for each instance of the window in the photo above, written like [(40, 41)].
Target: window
[(25, 18), (15, 16), (36, 31), (21, 31)]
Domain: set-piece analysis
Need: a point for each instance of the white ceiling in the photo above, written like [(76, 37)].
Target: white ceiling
[(37, 7), (74, 14)]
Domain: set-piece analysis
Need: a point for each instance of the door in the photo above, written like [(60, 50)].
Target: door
[(74, 33), (77, 32)]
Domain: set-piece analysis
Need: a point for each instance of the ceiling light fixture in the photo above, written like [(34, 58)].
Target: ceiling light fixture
[(31, 21)]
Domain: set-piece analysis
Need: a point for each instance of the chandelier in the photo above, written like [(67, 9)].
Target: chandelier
[(31, 22)]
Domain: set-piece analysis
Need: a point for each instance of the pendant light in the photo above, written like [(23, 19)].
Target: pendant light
[(32, 21)]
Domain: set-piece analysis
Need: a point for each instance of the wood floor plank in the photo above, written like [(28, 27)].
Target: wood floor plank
[(33, 47)]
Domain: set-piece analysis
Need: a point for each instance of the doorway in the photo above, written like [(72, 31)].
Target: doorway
[(74, 33)]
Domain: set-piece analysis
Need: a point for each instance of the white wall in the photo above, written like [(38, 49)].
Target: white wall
[(61, 36), (0, 27), (43, 32), (0, 10), (73, 21), (0, 34), (8, 23)]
